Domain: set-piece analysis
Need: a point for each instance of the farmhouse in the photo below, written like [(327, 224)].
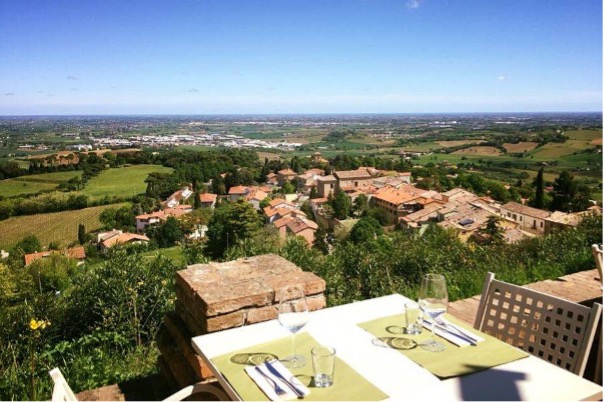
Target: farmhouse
[(77, 253), (144, 220), (109, 239), (207, 200)]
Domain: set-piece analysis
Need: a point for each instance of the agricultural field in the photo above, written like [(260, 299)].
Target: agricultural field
[(479, 150), (34, 183), (585, 135), (270, 155), (447, 144), (521, 147), (123, 182), (556, 150), (59, 227)]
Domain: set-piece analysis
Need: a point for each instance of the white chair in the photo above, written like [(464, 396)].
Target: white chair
[(556, 330), (596, 250), (63, 393)]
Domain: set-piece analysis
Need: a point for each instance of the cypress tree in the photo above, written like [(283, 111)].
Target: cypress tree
[(539, 189)]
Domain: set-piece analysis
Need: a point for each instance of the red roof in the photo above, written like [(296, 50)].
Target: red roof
[(207, 197)]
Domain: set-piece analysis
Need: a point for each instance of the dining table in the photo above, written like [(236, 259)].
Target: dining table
[(396, 375)]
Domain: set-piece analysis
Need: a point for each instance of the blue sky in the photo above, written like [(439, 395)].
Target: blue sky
[(290, 56)]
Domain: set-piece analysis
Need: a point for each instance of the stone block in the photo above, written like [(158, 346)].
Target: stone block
[(226, 321), (235, 296), (266, 313)]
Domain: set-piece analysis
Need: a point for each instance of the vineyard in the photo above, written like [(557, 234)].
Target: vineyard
[(32, 184), (59, 227)]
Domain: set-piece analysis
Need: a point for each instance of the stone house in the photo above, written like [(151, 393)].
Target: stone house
[(528, 218)]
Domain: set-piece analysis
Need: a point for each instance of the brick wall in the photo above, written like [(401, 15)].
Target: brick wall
[(218, 296)]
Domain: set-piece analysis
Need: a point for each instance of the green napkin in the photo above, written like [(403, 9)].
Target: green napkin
[(348, 384), (454, 360)]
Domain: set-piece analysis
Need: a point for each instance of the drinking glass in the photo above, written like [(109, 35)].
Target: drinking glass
[(433, 300), (293, 316)]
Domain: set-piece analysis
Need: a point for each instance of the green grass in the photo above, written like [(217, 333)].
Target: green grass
[(34, 183), (59, 227), (173, 253), (122, 182)]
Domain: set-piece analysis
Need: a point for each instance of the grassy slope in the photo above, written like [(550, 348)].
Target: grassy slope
[(125, 181), (60, 227)]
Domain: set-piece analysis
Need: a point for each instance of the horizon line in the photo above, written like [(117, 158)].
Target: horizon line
[(296, 113)]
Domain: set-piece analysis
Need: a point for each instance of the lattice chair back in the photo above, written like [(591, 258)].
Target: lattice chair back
[(556, 330), (62, 391), (596, 250)]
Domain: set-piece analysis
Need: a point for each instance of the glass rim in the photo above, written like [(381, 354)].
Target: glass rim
[(323, 351), (434, 276)]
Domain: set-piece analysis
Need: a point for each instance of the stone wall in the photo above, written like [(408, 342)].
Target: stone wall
[(218, 296)]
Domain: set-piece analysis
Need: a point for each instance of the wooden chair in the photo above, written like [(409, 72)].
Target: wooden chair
[(556, 330), (63, 393), (596, 250)]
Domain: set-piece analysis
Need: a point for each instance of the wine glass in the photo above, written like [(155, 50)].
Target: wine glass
[(433, 300), (293, 316)]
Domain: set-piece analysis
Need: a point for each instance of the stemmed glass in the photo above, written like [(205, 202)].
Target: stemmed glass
[(433, 300), (293, 315)]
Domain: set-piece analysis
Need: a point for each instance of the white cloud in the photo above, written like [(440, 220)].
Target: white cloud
[(413, 4), (503, 78)]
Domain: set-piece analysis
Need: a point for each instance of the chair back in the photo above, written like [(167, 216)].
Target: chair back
[(556, 330), (596, 250), (61, 391)]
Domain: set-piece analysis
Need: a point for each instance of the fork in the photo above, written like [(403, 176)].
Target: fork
[(450, 327), (278, 390)]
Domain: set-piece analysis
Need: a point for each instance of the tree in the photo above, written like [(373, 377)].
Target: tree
[(307, 209), (569, 196), (492, 231), (538, 202), (288, 188), (360, 205), (196, 200), (81, 233), (341, 205), (29, 244), (167, 233), (230, 223), (366, 229), (320, 242), (218, 186)]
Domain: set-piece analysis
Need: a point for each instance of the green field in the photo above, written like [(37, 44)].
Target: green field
[(59, 227), (585, 135), (34, 183), (122, 182)]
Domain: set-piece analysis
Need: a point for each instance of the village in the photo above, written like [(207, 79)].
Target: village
[(407, 206)]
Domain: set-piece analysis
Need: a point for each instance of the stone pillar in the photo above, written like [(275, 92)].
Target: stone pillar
[(217, 296)]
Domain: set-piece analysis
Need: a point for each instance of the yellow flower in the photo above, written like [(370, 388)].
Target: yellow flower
[(33, 324)]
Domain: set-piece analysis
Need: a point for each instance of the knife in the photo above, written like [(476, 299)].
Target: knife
[(459, 334), (277, 374)]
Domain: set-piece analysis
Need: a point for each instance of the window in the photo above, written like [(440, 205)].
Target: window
[(514, 216)]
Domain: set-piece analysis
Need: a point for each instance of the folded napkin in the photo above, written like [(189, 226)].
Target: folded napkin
[(268, 388), (451, 334)]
